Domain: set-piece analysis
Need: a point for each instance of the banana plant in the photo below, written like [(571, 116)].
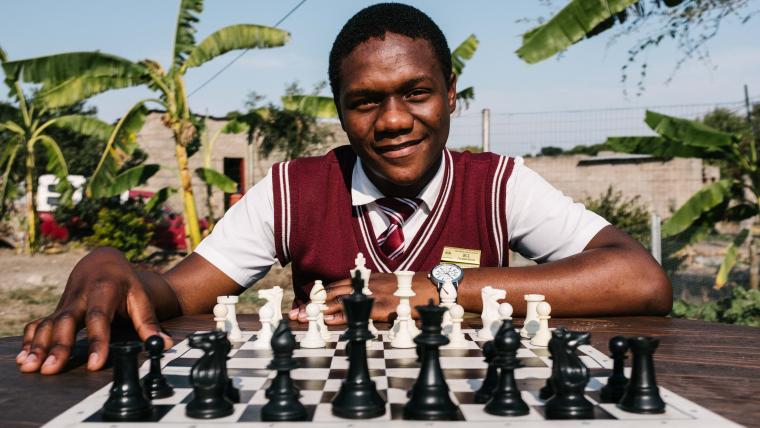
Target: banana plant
[(579, 19), (209, 175), (70, 77), (731, 199), (25, 132), (324, 107)]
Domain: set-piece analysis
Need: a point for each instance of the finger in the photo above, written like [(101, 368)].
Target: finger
[(39, 346), (100, 312), (26, 344), (293, 314), (341, 290), (64, 333), (335, 319), (143, 315)]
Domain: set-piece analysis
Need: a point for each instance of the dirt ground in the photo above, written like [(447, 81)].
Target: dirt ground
[(30, 286)]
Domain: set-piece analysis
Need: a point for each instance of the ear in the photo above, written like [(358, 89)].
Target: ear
[(452, 93)]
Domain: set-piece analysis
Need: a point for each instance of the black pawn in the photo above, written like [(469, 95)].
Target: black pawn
[(358, 397), (430, 394), (283, 402), (485, 392), (209, 377), (615, 387), (126, 400), (506, 400), (642, 394), (154, 383)]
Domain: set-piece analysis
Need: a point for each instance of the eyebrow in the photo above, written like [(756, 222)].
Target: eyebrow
[(407, 85)]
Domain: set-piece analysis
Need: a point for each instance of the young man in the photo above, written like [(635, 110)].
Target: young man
[(396, 194)]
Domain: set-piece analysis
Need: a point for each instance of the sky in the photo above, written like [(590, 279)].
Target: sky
[(586, 77)]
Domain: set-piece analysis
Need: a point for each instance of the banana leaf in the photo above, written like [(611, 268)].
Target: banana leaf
[(84, 125), (729, 260), (85, 86), (55, 69), (662, 148), (215, 178), (700, 202), (466, 96), (240, 36), (567, 27), (129, 179), (688, 132), (184, 36), (56, 162), (312, 105), (463, 53), (159, 198)]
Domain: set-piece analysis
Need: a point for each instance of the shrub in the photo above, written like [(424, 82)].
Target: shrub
[(628, 215), (125, 227), (741, 307)]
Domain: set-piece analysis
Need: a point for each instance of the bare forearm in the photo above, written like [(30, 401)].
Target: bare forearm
[(162, 295), (599, 281)]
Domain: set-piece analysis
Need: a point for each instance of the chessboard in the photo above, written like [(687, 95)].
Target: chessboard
[(322, 370)]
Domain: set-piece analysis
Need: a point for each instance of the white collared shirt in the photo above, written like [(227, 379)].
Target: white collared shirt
[(544, 224)]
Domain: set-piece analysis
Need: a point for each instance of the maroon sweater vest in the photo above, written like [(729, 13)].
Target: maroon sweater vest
[(320, 232)]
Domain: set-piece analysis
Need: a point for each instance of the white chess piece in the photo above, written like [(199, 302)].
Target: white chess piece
[(404, 292), (457, 340), (531, 316), (220, 316), (233, 330), (490, 315), (403, 338), (543, 335), (273, 296), (264, 336), (448, 299), (364, 274), (505, 313), (318, 295), (313, 338)]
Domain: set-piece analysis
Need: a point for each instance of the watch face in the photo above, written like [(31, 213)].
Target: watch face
[(447, 271)]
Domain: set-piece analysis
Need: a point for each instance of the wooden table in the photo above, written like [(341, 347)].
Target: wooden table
[(715, 365)]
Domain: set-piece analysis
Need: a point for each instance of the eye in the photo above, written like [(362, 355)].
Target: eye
[(418, 94)]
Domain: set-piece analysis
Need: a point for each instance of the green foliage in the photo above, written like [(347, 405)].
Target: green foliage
[(627, 214), (126, 227), (472, 149), (741, 307)]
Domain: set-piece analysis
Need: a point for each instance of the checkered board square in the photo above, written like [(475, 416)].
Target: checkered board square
[(322, 370)]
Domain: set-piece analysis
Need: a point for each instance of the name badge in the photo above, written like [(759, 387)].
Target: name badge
[(462, 257)]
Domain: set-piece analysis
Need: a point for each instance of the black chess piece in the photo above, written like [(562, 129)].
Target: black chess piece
[(154, 383), (430, 394), (642, 394), (358, 397), (569, 377), (615, 387), (506, 399), (209, 377), (547, 390), (485, 392), (126, 399), (232, 393), (283, 402)]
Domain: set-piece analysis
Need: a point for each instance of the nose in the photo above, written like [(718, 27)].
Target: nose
[(394, 119)]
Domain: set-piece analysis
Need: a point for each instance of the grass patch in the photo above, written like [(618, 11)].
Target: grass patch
[(18, 306)]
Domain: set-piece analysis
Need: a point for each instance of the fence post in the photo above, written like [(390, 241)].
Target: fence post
[(486, 130), (656, 241)]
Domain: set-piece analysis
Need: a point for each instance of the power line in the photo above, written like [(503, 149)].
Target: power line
[(242, 53)]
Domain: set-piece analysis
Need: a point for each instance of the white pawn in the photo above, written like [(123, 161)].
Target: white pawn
[(505, 313), (543, 335), (403, 338), (531, 316), (456, 337), (318, 295), (264, 336), (313, 338), (220, 316)]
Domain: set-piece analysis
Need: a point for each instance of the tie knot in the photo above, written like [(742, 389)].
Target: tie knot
[(398, 210)]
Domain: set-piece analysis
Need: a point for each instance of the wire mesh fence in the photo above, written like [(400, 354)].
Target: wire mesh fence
[(522, 133)]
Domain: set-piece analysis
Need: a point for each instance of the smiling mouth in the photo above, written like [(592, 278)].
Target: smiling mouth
[(396, 147)]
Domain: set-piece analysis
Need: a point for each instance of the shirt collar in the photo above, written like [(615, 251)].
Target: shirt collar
[(364, 192)]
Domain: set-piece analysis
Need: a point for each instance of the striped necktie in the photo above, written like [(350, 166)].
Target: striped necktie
[(398, 210)]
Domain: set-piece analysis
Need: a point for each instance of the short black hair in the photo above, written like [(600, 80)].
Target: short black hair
[(377, 20)]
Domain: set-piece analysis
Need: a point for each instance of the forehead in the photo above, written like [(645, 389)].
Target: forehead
[(379, 63)]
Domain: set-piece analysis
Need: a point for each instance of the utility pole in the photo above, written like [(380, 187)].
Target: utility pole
[(656, 240), (754, 140), (486, 130)]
